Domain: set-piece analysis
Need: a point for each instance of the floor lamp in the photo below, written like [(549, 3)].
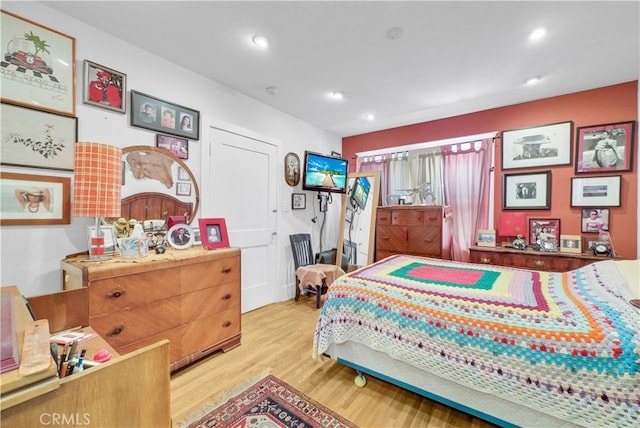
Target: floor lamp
[(96, 192)]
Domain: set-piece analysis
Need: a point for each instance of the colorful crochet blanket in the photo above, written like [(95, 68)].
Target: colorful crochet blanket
[(566, 344)]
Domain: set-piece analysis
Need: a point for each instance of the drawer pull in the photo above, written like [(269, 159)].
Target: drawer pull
[(115, 294), (226, 296), (485, 260), (226, 324), (405, 234), (116, 331), (226, 270), (384, 238), (539, 263)]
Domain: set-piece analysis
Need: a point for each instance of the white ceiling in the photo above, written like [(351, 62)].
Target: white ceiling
[(452, 57)]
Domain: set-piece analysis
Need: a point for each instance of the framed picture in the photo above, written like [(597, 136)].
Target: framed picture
[(595, 191), (298, 201), (109, 234), (37, 139), (177, 146), (292, 169), (605, 148), (544, 230), (34, 199), (183, 189), (162, 116), (571, 244), (336, 154), (180, 236), (40, 66), (214, 233), (595, 220), (526, 191), (486, 238), (104, 87), (539, 146), (197, 237), (549, 245), (183, 175)]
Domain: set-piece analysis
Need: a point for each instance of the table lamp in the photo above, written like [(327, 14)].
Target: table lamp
[(512, 224), (96, 192)]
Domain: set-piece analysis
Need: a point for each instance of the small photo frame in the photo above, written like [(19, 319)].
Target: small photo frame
[(162, 116), (486, 238), (605, 148), (298, 201), (596, 191), (174, 145), (109, 234), (544, 230), (180, 236), (549, 246), (292, 169), (27, 199), (526, 191), (183, 175), (183, 189), (214, 233), (348, 215), (595, 220), (104, 87), (538, 146), (197, 237), (571, 244)]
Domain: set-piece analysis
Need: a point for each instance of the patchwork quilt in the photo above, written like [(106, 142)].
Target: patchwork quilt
[(566, 344)]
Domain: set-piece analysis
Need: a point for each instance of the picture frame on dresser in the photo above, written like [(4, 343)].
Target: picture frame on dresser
[(109, 234), (596, 191), (571, 244), (605, 148), (486, 238), (526, 191), (180, 236), (543, 230), (538, 146), (213, 232)]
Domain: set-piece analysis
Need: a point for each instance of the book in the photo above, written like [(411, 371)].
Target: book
[(67, 337)]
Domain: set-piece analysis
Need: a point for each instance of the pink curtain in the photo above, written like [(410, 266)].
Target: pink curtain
[(466, 184), (377, 163)]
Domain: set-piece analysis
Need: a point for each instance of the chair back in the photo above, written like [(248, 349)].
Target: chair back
[(301, 248), (349, 254)]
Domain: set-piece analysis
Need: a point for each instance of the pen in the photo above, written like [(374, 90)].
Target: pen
[(63, 359), (70, 367), (63, 369), (72, 353), (81, 359)]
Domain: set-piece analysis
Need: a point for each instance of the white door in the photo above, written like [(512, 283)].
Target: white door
[(242, 190)]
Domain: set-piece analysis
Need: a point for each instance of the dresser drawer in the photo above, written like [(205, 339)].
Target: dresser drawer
[(408, 218), (175, 343), (130, 325), (202, 275), (130, 291), (424, 240), (383, 217), (485, 257), (391, 238), (212, 329), (202, 303)]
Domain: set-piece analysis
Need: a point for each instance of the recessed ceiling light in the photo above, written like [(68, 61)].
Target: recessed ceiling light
[(537, 34), (369, 116), (260, 41), (394, 33), (271, 90), (337, 95), (532, 80)]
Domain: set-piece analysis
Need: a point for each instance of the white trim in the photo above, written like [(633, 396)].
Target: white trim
[(436, 143)]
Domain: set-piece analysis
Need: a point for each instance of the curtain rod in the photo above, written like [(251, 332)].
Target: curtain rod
[(428, 144)]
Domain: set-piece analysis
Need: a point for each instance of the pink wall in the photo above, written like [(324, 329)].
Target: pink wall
[(611, 104)]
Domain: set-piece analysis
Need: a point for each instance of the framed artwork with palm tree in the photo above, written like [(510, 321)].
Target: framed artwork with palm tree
[(38, 66)]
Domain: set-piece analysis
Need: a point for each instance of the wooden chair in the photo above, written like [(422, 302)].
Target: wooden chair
[(303, 256)]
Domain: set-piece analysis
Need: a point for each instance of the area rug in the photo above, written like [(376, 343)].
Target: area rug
[(270, 403)]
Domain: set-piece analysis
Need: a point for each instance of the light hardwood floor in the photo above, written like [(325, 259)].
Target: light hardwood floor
[(278, 339)]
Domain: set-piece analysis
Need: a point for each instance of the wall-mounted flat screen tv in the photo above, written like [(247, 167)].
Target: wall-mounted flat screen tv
[(324, 173), (360, 192)]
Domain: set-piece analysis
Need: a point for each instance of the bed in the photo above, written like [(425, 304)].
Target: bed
[(511, 346)]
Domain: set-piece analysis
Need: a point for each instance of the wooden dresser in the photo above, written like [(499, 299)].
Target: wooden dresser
[(190, 297), (531, 259), (408, 229)]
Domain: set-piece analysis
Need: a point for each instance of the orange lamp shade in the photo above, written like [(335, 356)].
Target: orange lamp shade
[(98, 179), (512, 224)]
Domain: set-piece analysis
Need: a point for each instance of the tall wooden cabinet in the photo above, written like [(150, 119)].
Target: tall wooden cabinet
[(190, 297), (408, 229)]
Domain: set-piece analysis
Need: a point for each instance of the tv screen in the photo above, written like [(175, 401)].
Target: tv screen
[(360, 192), (324, 173)]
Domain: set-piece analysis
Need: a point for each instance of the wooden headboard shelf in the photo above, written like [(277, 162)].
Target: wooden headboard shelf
[(152, 206)]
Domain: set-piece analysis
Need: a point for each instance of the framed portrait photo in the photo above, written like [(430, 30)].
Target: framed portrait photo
[(595, 220), (298, 201), (544, 230), (34, 199), (37, 139), (526, 191), (40, 66), (605, 148), (571, 244), (596, 191), (292, 169), (162, 116), (214, 233), (174, 145), (486, 238), (104, 87), (180, 236), (539, 146)]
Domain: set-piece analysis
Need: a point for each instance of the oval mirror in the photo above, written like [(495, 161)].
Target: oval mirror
[(356, 243), (157, 185)]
